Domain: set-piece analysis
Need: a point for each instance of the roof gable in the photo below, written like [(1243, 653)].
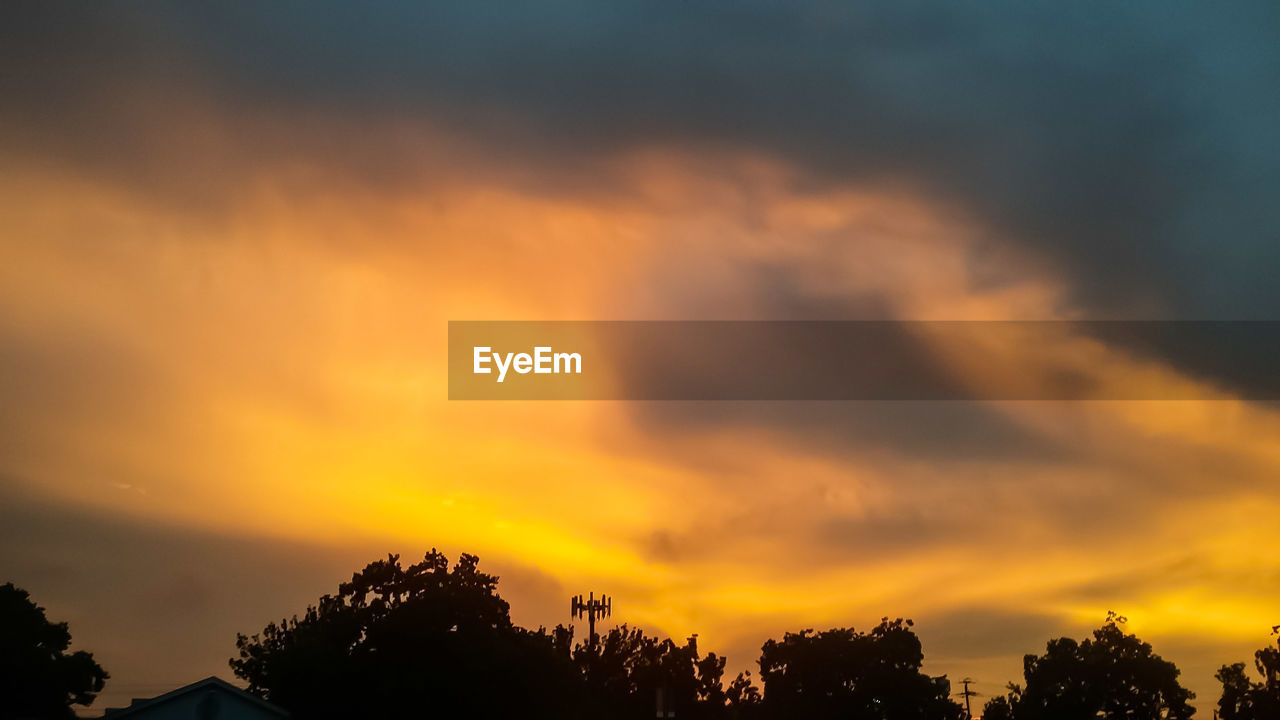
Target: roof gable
[(213, 683)]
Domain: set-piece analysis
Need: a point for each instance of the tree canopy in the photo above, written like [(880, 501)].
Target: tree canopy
[(1113, 675), (627, 671), (396, 640), (843, 673), (1245, 699), (428, 639), (433, 640), (38, 677)]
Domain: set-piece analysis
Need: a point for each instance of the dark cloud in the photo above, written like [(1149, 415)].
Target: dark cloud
[(928, 431), (935, 431), (1134, 143), (987, 632), (1237, 357), (910, 528), (158, 605), (1187, 571)]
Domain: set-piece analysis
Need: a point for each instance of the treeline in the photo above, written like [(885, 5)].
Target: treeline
[(430, 640)]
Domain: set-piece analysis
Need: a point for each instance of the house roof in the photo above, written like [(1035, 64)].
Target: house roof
[(209, 682)]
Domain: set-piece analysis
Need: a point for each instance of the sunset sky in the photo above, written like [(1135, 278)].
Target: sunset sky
[(232, 237)]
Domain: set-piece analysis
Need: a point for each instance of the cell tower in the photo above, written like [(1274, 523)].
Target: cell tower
[(591, 608)]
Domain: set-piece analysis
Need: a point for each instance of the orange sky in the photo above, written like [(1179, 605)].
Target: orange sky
[(223, 350), (275, 371)]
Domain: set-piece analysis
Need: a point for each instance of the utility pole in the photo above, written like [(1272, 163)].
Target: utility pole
[(967, 693), (591, 608)]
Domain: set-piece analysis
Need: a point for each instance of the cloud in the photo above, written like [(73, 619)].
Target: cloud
[(1132, 144), (978, 632)]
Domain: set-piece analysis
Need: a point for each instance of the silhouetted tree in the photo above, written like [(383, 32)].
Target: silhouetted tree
[(998, 708), (743, 698), (627, 670), (38, 678), (430, 641), (1244, 699), (851, 675), (413, 641), (1113, 676)]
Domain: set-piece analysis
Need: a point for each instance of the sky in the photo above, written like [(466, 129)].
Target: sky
[(232, 236)]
